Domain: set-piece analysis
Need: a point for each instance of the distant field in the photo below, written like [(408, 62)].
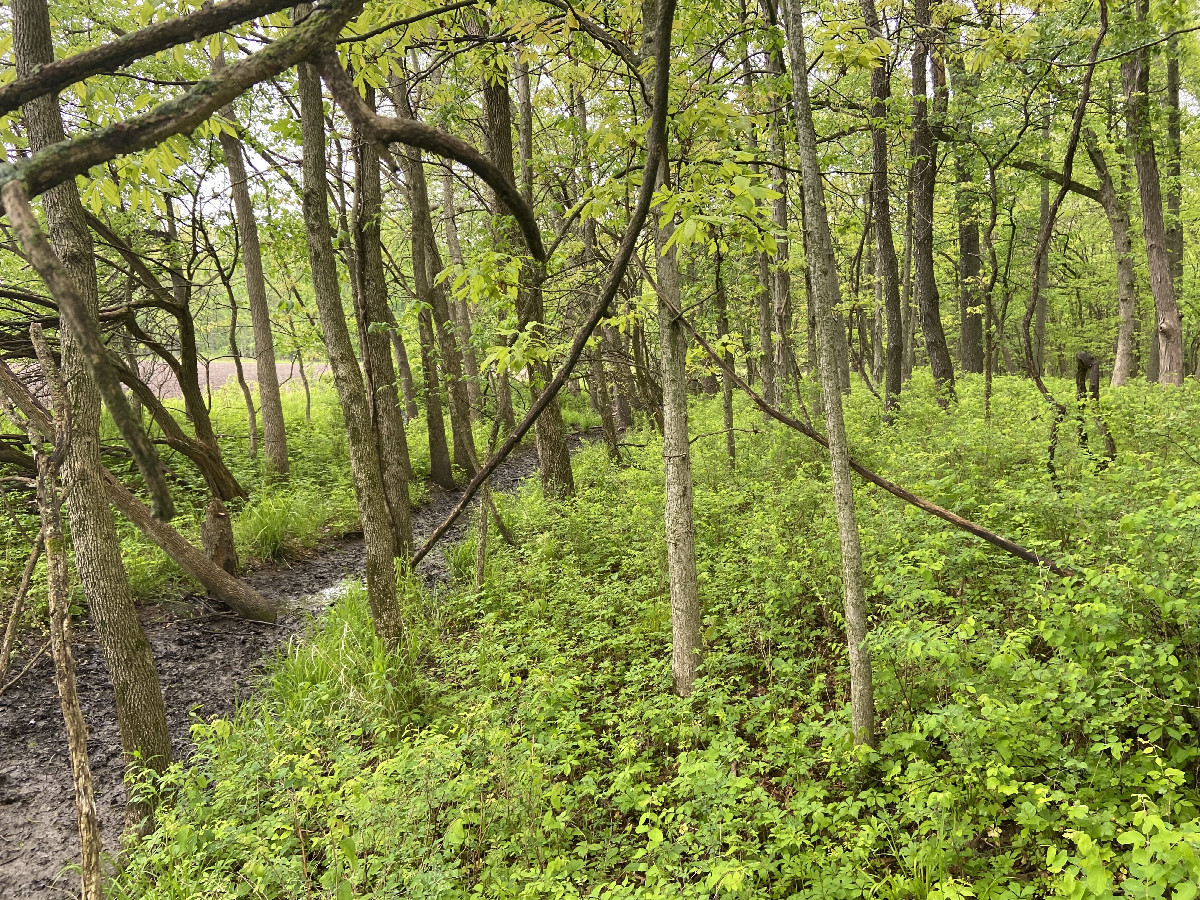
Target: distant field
[(221, 371)]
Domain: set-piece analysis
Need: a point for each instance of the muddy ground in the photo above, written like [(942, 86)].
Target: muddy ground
[(207, 659)]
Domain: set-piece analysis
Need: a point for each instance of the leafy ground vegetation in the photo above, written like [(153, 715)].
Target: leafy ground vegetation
[(1037, 735)]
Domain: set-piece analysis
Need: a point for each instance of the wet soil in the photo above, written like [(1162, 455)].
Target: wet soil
[(207, 660)]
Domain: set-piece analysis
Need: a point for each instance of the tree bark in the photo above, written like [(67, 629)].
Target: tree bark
[(364, 458), (387, 417), (887, 267), (435, 425), (819, 246), (274, 432), (461, 313), (686, 644), (924, 180), (141, 715), (1135, 72), (1117, 211)]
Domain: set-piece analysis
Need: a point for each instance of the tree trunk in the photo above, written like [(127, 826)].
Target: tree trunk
[(141, 716), (1135, 72), (1117, 211), (387, 418), (819, 246), (549, 432), (1043, 277), (235, 594), (460, 312), (726, 379), (247, 396), (435, 425), (274, 432), (686, 645), (1174, 186), (970, 265), (407, 387), (781, 277), (364, 459), (907, 319), (924, 179), (887, 268)]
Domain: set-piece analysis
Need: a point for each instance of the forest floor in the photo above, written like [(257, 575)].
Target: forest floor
[(207, 659)]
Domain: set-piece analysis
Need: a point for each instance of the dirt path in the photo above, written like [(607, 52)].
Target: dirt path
[(206, 660)]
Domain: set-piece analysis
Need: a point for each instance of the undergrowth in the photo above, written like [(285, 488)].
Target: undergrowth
[(1038, 737)]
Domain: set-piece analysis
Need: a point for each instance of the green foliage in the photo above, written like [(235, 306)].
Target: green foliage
[(1038, 737)]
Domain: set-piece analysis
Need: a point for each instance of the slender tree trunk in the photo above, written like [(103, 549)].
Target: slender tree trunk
[(364, 458), (549, 432), (461, 313), (907, 319), (764, 291), (970, 262), (407, 387), (1043, 276), (1135, 71), (887, 268), (1117, 211), (819, 246), (686, 645), (726, 378), (274, 432), (435, 425), (924, 178), (781, 278), (58, 586), (141, 715), (247, 396), (1174, 187), (387, 417)]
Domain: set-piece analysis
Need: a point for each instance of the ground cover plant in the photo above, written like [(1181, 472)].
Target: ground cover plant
[(1037, 735)]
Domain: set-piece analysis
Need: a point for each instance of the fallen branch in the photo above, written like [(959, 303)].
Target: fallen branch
[(1022, 553)]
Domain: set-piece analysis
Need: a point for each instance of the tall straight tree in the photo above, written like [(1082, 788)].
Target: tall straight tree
[(141, 715), (1135, 72), (887, 267), (274, 433), (822, 265), (924, 180), (677, 458), (364, 457)]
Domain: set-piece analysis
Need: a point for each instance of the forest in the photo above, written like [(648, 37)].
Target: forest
[(581, 448)]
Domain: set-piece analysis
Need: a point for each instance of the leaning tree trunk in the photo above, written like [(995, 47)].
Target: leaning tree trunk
[(141, 715), (1135, 72), (924, 178), (274, 433), (819, 246), (364, 457), (1117, 211)]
